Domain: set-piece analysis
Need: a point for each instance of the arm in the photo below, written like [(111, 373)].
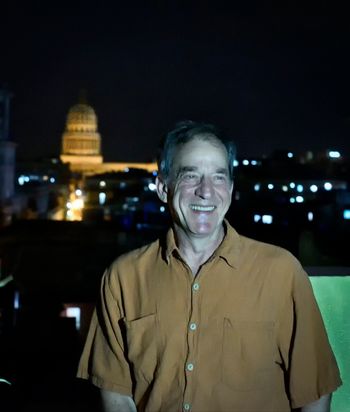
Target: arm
[(321, 405), (115, 402)]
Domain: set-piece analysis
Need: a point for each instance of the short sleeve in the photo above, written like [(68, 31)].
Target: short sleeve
[(313, 371), (103, 360)]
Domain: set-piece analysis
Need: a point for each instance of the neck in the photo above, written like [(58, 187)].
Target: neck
[(196, 250)]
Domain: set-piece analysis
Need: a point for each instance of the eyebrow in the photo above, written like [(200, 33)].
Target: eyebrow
[(185, 169)]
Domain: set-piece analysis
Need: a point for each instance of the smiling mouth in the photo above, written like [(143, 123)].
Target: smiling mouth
[(198, 208)]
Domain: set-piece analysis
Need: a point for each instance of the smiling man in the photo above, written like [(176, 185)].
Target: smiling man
[(207, 320)]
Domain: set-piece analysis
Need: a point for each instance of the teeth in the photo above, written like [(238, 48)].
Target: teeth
[(202, 208)]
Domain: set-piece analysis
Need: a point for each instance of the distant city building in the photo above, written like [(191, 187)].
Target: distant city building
[(81, 145), (81, 142), (7, 160)]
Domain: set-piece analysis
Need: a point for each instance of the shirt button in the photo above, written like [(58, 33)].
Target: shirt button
[(195, 286), (193, 326), (190, 367), (187, 406)]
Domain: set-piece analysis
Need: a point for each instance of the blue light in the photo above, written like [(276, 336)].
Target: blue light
[(300, 188), (346, 214), (290, 155), (334, 154)]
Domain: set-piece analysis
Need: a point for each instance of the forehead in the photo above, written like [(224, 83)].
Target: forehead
[(201, 152)]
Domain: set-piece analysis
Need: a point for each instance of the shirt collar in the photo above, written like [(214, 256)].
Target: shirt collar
[(228, 250)]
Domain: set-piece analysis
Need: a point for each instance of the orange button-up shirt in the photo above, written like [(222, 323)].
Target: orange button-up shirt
[(244, 334)]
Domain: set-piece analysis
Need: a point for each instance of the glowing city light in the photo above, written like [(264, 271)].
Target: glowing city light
[(334, 154), (257, 218), (77, 204), (267, 219), (270, 186), (162, 209), (102, 183), (299, 199), (78, 192), (102, 198), (290, 155), (346, 214), (245, 162), (310, 216), (74, 312), (235, 163), (292, 185), (253, 162), (52, 180), (292, 200), (300, 188), (285, 188), (154, 173), (257, 187), (328, 186), (126, 170), (152, 187), (313, 188), (21, 180)]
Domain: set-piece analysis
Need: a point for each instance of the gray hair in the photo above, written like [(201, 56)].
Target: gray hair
[(186, 131)]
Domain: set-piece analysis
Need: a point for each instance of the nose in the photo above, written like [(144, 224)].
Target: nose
[(204, 189)]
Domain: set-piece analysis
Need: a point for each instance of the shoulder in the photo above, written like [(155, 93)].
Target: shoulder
[(267, 252), (272, 260), (140, 257)]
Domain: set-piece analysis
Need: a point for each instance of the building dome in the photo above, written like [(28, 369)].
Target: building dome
[(81, 137), (81, 118)]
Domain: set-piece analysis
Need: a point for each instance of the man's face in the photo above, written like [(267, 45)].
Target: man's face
[(199, 188)]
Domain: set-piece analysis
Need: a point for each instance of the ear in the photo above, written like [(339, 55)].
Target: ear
[(162, 189)]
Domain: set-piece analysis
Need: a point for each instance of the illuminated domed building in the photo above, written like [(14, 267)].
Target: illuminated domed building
[(81, 142)]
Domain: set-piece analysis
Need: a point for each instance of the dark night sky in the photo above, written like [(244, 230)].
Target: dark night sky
[(273, 78)]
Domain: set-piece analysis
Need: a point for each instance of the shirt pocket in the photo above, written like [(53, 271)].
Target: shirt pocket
[(142, 346), (248, 354)]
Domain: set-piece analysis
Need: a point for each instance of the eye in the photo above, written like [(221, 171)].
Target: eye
[(190, 177), (219, 178)]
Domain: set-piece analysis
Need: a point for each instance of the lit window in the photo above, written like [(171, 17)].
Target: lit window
[(300, 188), (21, 180), (102, 183), (152, 187), (257, 218), (77, 204), (328, 186), (74, 312), (290, 155), (257, 187), (102, 198), (310, 216), (299, 199), (292, 185), (245, 162), (270, 186), (313, 188), (334, 154), (267, 219), (346, 214), (16, 304)]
